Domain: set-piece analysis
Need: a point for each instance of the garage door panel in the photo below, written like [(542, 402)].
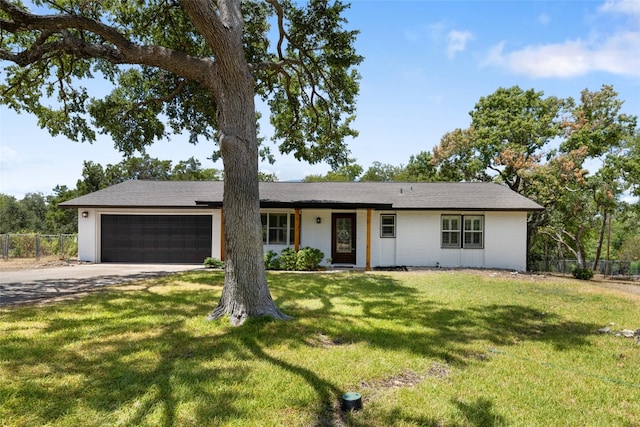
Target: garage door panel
[(156, 238)]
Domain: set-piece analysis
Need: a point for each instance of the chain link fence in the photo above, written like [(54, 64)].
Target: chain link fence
[(608, 268), (63, 246)]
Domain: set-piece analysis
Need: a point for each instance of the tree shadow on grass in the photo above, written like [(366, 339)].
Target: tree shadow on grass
[(481, 413), (424, 326), (142, 352)]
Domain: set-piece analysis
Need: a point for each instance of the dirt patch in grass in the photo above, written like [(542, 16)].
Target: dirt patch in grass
[(322, 340), (409, 378)]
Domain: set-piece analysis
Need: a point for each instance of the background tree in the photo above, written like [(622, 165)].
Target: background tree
[(381, 172), (421, 168), (35, 208), (457, 160), (60, 220), (625, 229), (597, 128), (23, 216), (344, 173), (509, 130), (194, 66), (192, 170), (12, 215), (93, 178)]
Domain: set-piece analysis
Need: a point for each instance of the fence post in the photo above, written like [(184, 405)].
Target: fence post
[(37, 238), (5, 252), (61, 246)]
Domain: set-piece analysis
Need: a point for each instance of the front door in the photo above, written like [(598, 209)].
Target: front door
[(343, 238)]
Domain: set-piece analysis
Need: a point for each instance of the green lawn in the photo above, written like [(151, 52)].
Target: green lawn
[(434, 348)]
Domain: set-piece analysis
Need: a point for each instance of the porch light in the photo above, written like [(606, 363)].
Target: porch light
[(85, 214), (318, 220)]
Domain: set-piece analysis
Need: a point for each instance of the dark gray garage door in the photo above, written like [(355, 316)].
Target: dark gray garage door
[(155, 238)]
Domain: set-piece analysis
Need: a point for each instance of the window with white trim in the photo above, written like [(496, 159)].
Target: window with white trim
[(473, 232), (387, 225), (470, 227), (278, 228), (450, 231)]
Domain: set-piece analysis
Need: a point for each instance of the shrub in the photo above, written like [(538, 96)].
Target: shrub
[(210, 262), (288, 259), (306, 259), (272, 261), (582, 273), (309, 259)]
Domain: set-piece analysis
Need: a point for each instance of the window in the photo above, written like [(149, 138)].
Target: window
[(450, 231), (387, 226), (472, 231), (278, 228)]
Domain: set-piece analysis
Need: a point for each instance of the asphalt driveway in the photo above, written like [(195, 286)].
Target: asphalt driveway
[(38, 285)]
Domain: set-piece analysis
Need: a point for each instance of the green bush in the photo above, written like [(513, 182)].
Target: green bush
[(210, 262), (582, 273), (288, 259), (271, 260), (309, 259), (306, 259)]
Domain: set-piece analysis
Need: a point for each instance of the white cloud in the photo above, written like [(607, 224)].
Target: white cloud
[(616, 55), (442, 37), (627, 7), (457, 41), (615, 52)]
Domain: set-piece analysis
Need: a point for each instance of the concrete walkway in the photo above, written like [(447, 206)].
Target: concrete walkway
[(38, 285)]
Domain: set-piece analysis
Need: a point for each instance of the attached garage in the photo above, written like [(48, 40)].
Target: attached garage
[(155, 238)]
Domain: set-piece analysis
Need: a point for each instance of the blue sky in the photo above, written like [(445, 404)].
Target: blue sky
[(426, 65)]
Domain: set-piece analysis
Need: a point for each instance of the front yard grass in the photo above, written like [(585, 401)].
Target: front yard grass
[(436, 348)]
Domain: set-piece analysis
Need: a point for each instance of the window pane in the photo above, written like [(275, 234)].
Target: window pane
[(455, 239), (450, 239), (467, 238), (387, 226)]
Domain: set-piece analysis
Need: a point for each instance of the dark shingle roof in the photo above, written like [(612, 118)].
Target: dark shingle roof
[(381, 195)]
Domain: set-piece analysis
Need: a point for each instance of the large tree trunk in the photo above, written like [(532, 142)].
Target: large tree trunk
[(245, 293), (603, 227)]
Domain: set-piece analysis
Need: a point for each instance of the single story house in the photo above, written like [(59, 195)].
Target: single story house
[(355, 224)]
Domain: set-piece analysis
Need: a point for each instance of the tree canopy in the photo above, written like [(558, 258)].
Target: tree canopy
[(194, 67)]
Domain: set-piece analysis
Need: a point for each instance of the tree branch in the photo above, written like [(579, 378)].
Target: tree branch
[(283, 34), (117, 50)]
